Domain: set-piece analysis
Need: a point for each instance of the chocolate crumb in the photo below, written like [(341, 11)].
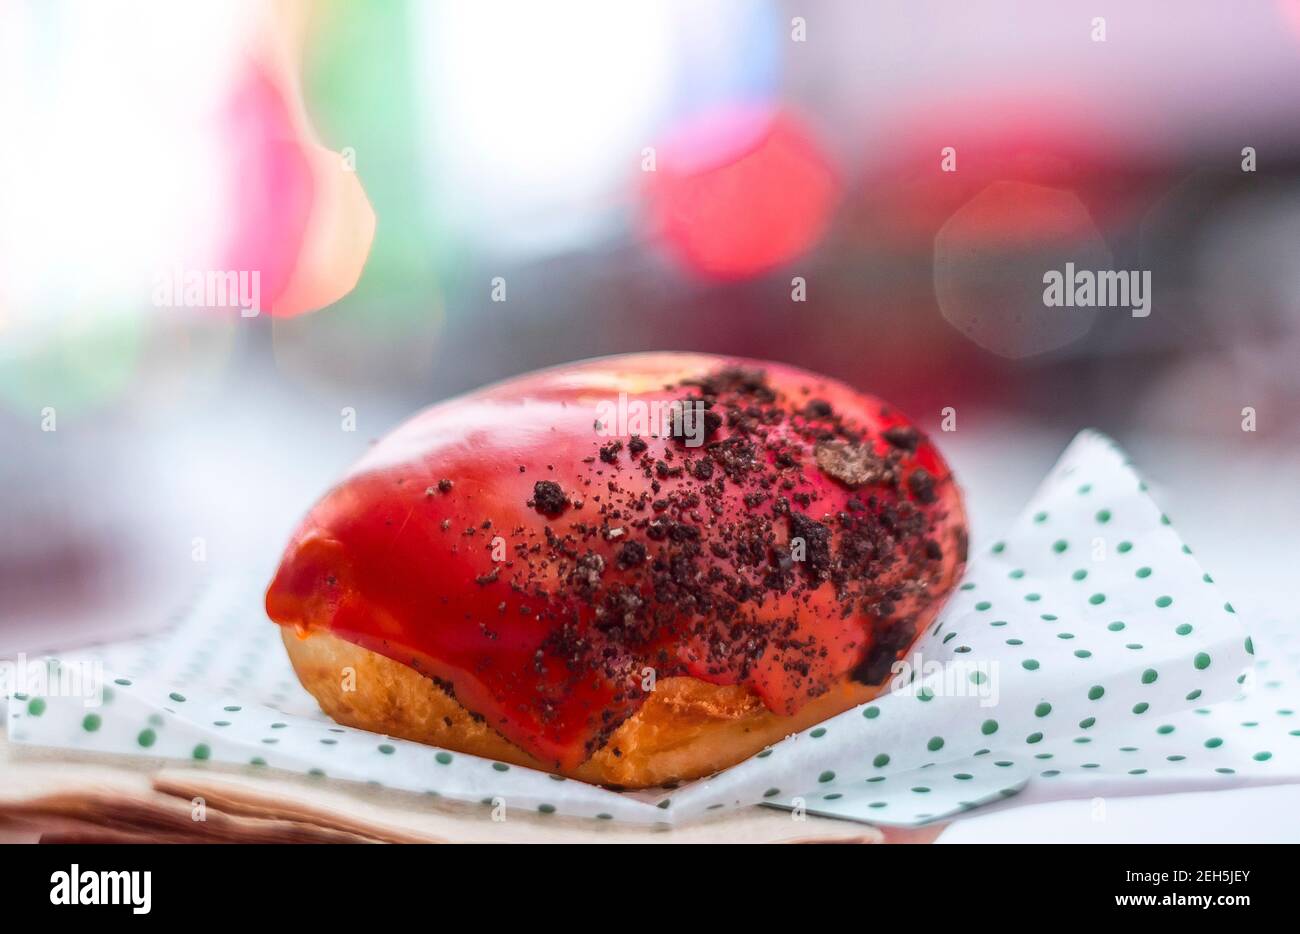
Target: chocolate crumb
[(548, 498), (921, 483), (631, 555), (903, 437), (853, 465)]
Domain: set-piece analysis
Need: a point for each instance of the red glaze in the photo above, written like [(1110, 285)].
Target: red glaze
[(551, 644)]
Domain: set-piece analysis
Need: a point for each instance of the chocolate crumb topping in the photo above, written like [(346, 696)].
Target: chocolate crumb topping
[(902, 436), (853, 465), (548, 498), (922, 486)]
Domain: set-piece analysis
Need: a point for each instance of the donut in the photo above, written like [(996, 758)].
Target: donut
[(630, 571)]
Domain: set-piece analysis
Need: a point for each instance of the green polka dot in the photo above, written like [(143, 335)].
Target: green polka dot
[(999, 547), (1183, 629), (387, 749), (1165, 729), (1017, 574), (1163, 602), (1214, 742), (983, 605), (1060, 545), (1142, 572), (1087, 723), (257, 760), (1086, 488), (1202, 661), (771, 792), (1149, 676), (1250, 646), (124, 682), (36, 707), (818, 733), (1034, 738), (1141, 707), (202, 751), (963, 776), (500, 766), (146, 738), (1042, 709), (871, 713), (1033, 597), (935, 743), (1095, 692), (827, 776), (179, 698), (443, 758), (1097, 599), (1115, 626), (1103, 516), (1030, 664), (880, 761), (1124, 547), (91, 722), (921, 790), (546, 809), (1040, 517), (1193, 694), (1079, 574), (989, 727), (1262, 756), (1082, 653)]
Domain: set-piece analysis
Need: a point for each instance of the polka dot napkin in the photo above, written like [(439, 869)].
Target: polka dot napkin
[(1087, 648)]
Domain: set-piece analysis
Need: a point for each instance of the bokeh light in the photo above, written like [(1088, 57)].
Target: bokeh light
[(989, 262), (739, 192)]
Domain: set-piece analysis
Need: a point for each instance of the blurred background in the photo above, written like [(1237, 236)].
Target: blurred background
[(435, 195)]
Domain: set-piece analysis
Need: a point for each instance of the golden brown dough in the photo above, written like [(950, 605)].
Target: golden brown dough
[(686, 729)]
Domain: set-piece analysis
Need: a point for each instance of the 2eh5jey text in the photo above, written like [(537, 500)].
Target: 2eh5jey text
[(1220, 876)]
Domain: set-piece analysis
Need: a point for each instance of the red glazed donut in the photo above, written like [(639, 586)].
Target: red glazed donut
[(628, 570)]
